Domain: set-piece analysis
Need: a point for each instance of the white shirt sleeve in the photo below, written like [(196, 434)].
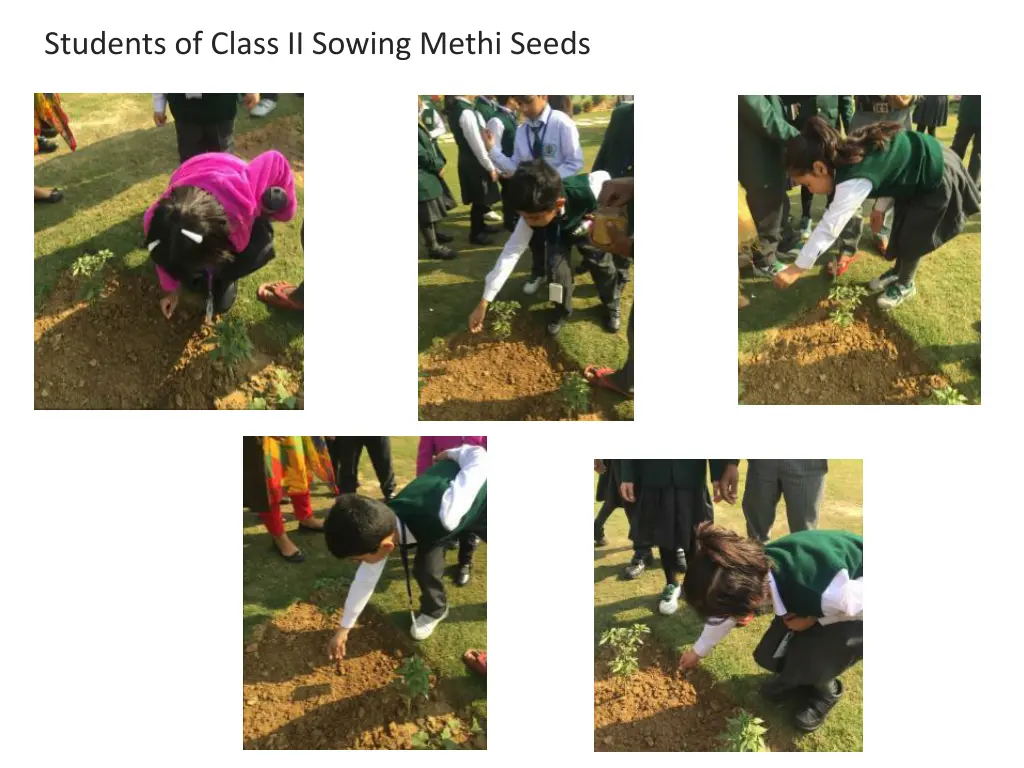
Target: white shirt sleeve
[(468, 121), (843, 600), (459, 497), (712, 635), (571, 149), (497, 129), (515, 247), (159, 103), (360, 591), (439, 129), (506, 165), (849, 197)]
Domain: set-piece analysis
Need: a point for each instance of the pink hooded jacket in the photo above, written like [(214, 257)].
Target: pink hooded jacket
[(238, 186)]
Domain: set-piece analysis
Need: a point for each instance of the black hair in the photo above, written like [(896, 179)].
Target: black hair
[(820, 142), (534, 188), (727, 575), (198, 212), (357, 525), (561, 103), (503, 100)]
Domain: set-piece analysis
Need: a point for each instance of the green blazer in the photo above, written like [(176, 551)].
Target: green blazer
[(689, 474), (763, 133), (431, 163), (616, 152), (837, 111), (970, 110)]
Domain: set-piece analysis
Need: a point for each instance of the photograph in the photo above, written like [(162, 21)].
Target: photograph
[(364, 604), (724, 621), (871, 294), (548, 337), (168, 251)]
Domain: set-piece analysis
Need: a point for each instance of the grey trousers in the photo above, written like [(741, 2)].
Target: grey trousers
[(815, 656), (801, 482)]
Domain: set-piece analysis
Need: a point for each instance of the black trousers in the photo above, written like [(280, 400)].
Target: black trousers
[(964, 134), (476, 218), (929, 129), (345, 453), (538, 252), (815, 656), (428, 569), (769, 207), (195, 139)]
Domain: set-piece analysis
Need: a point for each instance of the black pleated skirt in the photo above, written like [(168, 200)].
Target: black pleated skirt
[(923, 223), (667, 517), (932, 110)]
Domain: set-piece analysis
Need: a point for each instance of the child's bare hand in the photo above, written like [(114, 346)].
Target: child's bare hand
[(877, 218), (798, 623), (168, 304), (476, 317), (626, 492), (689, 660), (787, 277), (250, 100), (599, 467), (616, 192), (159, 118), (336, 645), (488, 138)]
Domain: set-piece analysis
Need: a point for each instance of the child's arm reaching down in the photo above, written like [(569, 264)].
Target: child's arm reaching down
[(515, 247), (714, 632), (359, 594)]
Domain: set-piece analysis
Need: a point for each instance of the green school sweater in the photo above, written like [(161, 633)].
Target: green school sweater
[(211, 108), (805, 563), (431, 161), (508, 137), (616, 152), (763, 133), (970, 111), (418, 505), (579, 201), (429, 115), (485, 108), (688, 474), (911, 163)]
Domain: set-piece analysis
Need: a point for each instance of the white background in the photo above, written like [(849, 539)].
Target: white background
[(122, 568)]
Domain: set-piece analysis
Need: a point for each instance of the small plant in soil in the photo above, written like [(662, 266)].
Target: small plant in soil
[(233, 344), (415, 676), (574, 394), (89, 267), (846, 298), (502, 313), (744, 733), (282, 396), (626, 642), (946, 396), (446, 737)]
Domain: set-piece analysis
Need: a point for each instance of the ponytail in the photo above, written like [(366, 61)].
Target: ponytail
[(820, 142), (727, 573)]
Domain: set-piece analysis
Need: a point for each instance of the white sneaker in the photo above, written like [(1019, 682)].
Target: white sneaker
[(669, 599), (493, 216), (533, 284), (264, 108), (423, 626)]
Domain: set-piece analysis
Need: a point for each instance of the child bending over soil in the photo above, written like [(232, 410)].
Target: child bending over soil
[(212, 225), (925, 183), (814, 580), (444, 501)]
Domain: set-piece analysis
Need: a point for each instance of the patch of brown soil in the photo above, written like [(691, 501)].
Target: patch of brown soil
[(816, 362), (118, 351), (479, 378), (293, 698), (656, 709), (284, 134)]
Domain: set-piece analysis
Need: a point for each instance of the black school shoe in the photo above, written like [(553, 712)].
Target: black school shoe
[(462, 575), (444, 239), (555, 326), (816, 707), (612, 321), (45, 145), (442, 252), (637, 566), (480, 239), (775, 689), (600, 541)]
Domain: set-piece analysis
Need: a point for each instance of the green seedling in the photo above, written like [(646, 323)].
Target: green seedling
[(415, 676), (946, 396), (847, 298), (233, 345), (258, 404), (283, 380), (502, 313), (89, 267), (745, 733), (446, 737), (574, 393), (626, 642)]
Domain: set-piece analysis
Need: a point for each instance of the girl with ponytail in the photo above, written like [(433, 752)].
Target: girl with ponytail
[(813, 583), (212, 224), (922, 180)]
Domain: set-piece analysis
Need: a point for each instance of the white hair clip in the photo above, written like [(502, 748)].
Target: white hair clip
[(152, 246), (192, 236)]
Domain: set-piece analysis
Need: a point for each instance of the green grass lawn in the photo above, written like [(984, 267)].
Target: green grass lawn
[(449, 290), (271, 585), (122, 165), (942, 320), (620, 602)]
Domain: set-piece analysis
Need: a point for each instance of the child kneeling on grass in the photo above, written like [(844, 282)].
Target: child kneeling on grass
[(925, 183), (815, 582), (212, 224), (443, 502), (542, 198)]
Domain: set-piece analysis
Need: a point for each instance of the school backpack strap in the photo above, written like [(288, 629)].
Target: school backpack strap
[(405, 565)]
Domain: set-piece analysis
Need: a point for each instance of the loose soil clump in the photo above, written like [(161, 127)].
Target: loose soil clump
[(294, 698), (817, 362)]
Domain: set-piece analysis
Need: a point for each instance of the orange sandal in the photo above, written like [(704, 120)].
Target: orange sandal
[(476, 661)]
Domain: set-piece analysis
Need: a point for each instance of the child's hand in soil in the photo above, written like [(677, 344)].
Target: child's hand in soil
[(788, 276), (798, 623), (250, 100), (689, 660), (476, 317), (488, 138), (159, 118), (336, 645), (168, 304)]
